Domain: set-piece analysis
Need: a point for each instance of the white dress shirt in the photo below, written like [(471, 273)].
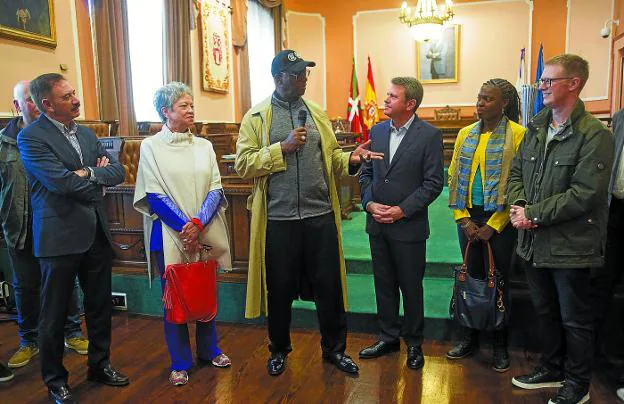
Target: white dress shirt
[(396, 135)]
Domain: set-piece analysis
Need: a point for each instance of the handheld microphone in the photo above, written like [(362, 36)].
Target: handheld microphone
[(302, 118)]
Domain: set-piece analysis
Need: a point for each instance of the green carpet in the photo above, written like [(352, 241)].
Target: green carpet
[(437, 295), (442, 255), (442, 247)]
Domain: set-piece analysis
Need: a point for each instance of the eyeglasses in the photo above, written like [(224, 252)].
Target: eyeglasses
[(299, 76), (548, 81)]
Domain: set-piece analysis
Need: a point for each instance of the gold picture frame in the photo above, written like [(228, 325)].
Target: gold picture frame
[(34, 24), (438, 61)]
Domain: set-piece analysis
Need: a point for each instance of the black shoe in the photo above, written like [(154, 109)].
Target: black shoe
[(571, 393), (276, 363), (108, 375), (6, 374), (462, 350), (61, 395), (501, 360), (538, 379), (342, 362), (379, 348), (415, 357)]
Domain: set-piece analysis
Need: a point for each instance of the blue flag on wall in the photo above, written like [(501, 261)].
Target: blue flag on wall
[(539, 98)]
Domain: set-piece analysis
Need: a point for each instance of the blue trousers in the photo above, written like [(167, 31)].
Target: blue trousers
[(27, 286), (177, 335)]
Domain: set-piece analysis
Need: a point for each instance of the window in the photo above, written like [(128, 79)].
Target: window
[(261, 43), (145, 37)]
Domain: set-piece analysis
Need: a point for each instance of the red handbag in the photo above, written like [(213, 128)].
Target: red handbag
[(190, 292)]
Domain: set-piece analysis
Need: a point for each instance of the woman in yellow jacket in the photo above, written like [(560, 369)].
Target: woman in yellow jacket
[(477, 194)]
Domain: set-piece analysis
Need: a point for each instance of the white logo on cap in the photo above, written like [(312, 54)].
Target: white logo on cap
[(293, 56)]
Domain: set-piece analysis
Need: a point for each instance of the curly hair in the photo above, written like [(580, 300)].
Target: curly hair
[(512, 110)]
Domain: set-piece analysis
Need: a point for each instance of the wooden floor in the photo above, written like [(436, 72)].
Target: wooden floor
[(139, 351)]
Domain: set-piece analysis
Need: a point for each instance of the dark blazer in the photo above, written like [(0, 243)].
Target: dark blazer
[(412, 181), (618, 134), (66, 208)]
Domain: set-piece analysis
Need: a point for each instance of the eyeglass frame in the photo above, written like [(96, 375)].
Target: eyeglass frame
[(547, 82), (298, 76)]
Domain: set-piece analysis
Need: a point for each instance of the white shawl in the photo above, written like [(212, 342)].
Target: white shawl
[(184, 168)]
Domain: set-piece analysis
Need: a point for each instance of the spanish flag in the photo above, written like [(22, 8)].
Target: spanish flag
[(370, 113)]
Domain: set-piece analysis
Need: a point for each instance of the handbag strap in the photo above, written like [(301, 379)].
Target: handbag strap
[(463, 269), (464, 266), (500, 302), (491, 266)]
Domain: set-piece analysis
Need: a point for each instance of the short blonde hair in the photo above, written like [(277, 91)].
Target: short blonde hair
[(573, 65)]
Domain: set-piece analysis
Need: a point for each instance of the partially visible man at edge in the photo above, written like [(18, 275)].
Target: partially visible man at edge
[(16, 221)]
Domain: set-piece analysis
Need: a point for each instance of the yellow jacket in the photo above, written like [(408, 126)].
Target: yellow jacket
[(256, 158), (498, 220)]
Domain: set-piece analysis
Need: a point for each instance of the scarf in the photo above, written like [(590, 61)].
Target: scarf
[(498, 158)]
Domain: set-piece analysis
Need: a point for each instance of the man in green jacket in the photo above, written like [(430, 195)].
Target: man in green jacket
[(558, 192), (286, 144), (16, 223)]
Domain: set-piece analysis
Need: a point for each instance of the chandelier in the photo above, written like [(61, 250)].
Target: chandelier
[(426, 20)]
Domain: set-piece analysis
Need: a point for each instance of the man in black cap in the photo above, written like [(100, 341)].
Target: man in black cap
[(286, 144)]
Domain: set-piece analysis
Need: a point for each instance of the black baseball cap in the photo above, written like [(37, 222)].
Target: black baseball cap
[(289, 61)]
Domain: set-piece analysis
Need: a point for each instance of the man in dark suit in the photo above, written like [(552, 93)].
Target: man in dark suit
[(68, 169), (16, 223), (396, 192)]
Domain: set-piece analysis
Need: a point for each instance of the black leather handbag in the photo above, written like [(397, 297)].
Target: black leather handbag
[(476, 303)]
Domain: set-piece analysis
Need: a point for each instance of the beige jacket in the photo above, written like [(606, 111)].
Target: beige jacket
[(256, 158)]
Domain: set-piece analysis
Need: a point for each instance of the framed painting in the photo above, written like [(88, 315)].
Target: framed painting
[(437, 61), (28, 21)]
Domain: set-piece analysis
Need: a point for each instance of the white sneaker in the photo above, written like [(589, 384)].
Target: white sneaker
[(178, 378)]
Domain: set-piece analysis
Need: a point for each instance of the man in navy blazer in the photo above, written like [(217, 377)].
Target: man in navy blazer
[(68, 169), (396, 192)]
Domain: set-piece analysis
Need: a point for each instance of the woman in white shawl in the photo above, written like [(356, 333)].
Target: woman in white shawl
[(178, 190)]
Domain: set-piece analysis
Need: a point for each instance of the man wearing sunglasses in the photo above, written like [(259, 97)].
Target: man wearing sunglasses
[(286, 144), (558, 191)]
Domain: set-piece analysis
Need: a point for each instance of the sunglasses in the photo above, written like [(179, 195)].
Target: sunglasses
[(299, 76)]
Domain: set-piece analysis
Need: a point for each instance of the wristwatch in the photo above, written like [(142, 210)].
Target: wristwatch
[(88, 177)]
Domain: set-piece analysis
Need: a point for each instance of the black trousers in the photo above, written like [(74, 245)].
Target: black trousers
[(561, 300), (502, 244), (27, 288), (399, 267), (93, 269), (605, 279), (303, 254)]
